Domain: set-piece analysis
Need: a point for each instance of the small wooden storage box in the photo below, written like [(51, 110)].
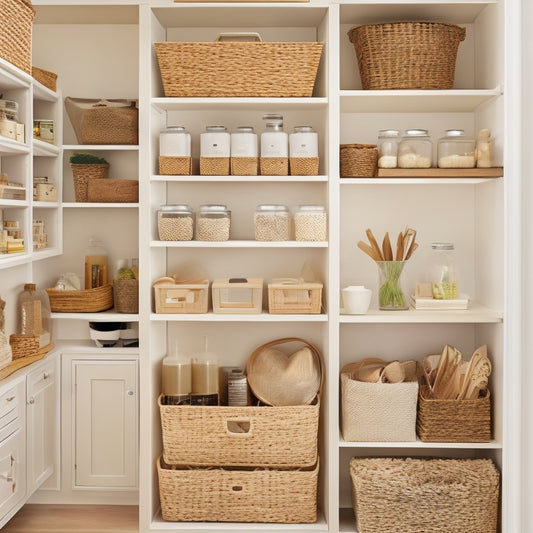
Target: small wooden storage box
[(44, 192), (294, 297), (237, 295), (284, 436), (215, 494), (173, 296)]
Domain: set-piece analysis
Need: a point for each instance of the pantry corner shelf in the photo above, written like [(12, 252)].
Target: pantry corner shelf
[(102, 316), (418, 444), (45, 205), (98, 147), (239, 244), (42, 93), (441, 173), (44, 149), (239, 179), (223, 317), (45, 253), (100, 205), (11, 260), (12, 147)]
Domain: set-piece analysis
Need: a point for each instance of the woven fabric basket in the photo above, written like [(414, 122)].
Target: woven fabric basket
[(126, 295), (274, 166), (24, 345), (113, 190), (47, 78), (260, 436), (406, 495), (214, 166), (82, 174), (16, 21), (304, 166), (244, 166), (358, 160), (226, 69), (237, 495), (407, 55), (85, 301), (175, 165), (453, 420)]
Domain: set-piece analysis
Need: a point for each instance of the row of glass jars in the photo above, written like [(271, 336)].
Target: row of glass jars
[(415, 149), (272, 222)]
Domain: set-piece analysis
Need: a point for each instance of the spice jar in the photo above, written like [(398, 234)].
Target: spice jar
[(484, 149), (213, 223), (454, 150), (175, 141), (272, 222), (442, 272), (388, 148), (415, 149), (310, 223), (175, 223)]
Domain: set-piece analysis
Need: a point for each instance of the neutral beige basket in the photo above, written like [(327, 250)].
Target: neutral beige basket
[(304, 166), (113, 190), (126, 295), (227, 69), (82, 174), (358, 160), (406, 495), (244, 166), (47, 78), (85, 301), (214, 166), (274, 166), (16, 21), (175, 165), (23, 345), (407, 55), (453, 420), (237, 495)]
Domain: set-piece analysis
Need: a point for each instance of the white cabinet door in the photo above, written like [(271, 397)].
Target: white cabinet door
[(42, 423), (106, 416), (12, 471)]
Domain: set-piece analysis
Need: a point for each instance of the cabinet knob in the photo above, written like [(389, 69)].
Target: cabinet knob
[(130, 393), (31, 401), (46, 375)]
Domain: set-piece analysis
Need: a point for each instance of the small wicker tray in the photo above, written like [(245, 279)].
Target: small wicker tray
[(86, 301), (358, 160), (47, 78), (24, 345)]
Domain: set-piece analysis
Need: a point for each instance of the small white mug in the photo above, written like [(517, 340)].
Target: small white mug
[(356, 299)]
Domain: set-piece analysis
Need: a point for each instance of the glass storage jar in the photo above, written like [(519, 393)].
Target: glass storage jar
[(442, 272), (310, 223), (34, 314), (213, 223), (175, 141), (303, 142), (175, 223), (215, 141), (454, 150), (95, 265), (388, 148), (272, 222), (415, 149), (244, 142), (274, 141)]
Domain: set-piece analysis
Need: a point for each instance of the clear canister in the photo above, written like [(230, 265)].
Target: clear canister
[(274, 141), (310, 223), (442, 272), (415, 149), (388, 141), (303, 142), (175, 141), (175, 223), (456, 151), (213, 223), (215, 141), (272, 222), (244, 142)]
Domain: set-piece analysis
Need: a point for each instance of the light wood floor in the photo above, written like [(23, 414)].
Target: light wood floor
[(74, 519)]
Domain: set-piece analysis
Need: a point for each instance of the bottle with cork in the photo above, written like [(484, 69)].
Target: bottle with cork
[(95, 265)]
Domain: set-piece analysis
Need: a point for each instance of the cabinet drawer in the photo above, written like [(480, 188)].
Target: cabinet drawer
[(12, 471), (11, 409), (41, 378)]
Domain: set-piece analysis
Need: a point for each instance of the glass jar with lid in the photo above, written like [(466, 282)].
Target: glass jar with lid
[(272, 222), (442, 272), (175, 222), (274, 148), (213, 223), (175, 141), (310, 223), (415, 149), (34, 314), (388, 148), (244, 142), (215, 141), (454, 150), (303, 142)]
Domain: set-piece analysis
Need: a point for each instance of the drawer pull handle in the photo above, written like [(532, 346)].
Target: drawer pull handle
[(46, 375), (10, 399)]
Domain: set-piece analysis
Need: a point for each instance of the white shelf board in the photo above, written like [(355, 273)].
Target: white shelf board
[(12, 77), (44, 149), (11, 260), (346, 520), (239, 104), (238, 244), (42, 93), (85, 346), (416, 101), (12, 147), (414, 181), (99, 147), (476, 314), (45, 205), (240, 179), (4, 203), (45, 253), (492, 445), (102, 316), (99, 205), (215, 317)]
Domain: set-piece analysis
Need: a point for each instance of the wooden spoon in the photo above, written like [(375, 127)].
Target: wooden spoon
[(374, 243), (399, 247), (368, 250), (387, 248)]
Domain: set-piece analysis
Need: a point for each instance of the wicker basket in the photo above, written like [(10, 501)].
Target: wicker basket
[(111, 190), (274, 166), (406, 495), (244, 166), (240, 436), (175, 165), (126, 295), (82, 174), (358, 160), (24, 345), (407, 55), (214, 166), (244, 69), (304, 166), (16, 20), (453, 420), (237, 495), (86, 301), (47, 78)]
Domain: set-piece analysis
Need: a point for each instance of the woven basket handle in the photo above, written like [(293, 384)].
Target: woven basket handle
[(243, 36)]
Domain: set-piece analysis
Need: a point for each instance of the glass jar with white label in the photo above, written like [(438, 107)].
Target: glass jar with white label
[(215, 141), (175, 141)]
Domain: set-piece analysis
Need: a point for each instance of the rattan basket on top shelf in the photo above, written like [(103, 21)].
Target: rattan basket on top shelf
[(16, 21), (47, 78)]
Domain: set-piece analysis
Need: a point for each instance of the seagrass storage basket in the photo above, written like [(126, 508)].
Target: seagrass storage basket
[(246, 494), (453, 420), (358, 160), (126, 295), (23, 345), (82, 174), (274, 166), (261, 436), (407, 55), (113, 190), (227, 69), (304, 166), (85, 301), (16, 21), (47, 78), (244, 166), (175, 165), (411, 495)]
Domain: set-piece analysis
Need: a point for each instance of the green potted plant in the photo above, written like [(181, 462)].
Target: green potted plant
[(84, 168)]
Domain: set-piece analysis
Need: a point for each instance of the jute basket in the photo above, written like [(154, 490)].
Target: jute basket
[(244, 166), (113, 190), (215, 494), (85, 301), (175, 166), (227, 69), (407, 55), (260, 436), (23, 345), (16, 21), (126, 295), (274, 166), (453, 420), (407, 495), (304, 166), (214, 166), (358, 160), (82, 174), (47, 78)]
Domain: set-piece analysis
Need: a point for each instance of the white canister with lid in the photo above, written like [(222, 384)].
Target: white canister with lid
[(175, 141), (244, 142), (274, 141), (215, 141), (303, 142)]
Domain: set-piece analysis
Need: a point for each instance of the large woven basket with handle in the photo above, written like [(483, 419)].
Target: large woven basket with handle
[(16, 21)]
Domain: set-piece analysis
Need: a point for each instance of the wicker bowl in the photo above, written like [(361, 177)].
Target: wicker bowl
[(86, 301), (358, 160)]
